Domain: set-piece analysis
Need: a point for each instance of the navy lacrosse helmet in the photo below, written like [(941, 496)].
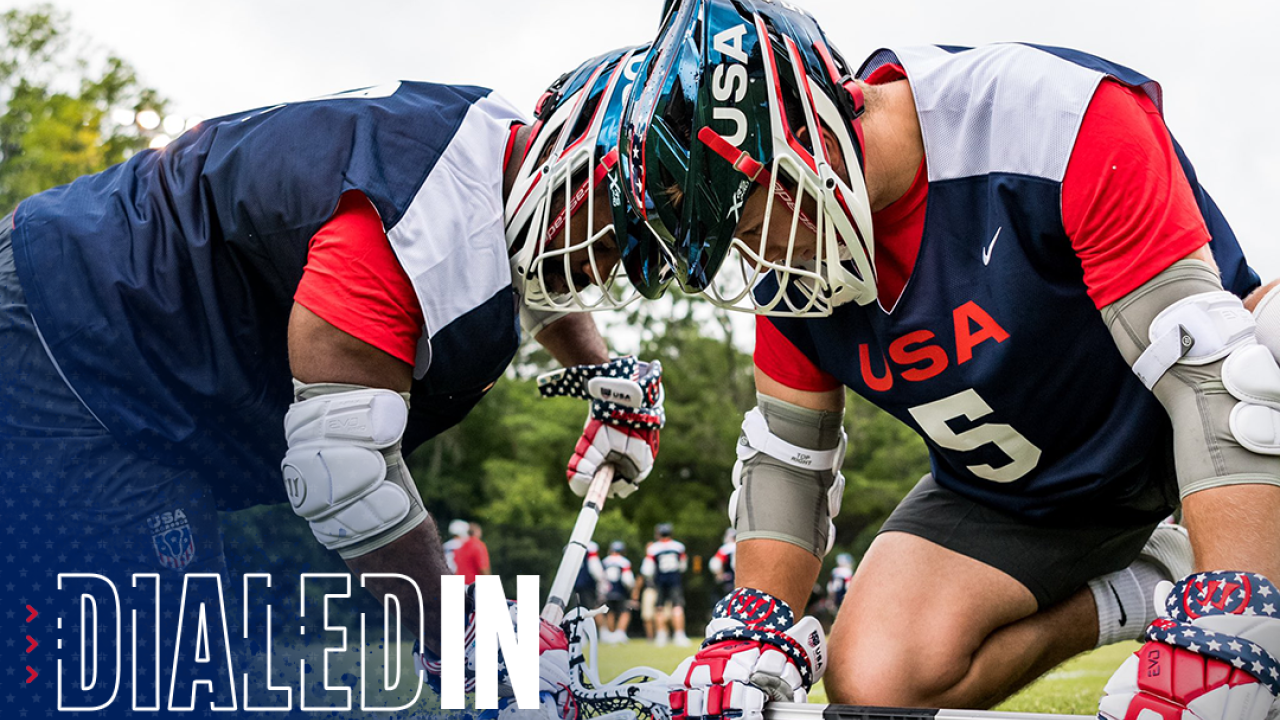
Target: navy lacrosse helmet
[(733, 99), (617, 546), (663, 530), (572, 156)]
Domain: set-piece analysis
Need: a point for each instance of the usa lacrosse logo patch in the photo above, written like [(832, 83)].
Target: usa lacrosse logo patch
[(171, 536)]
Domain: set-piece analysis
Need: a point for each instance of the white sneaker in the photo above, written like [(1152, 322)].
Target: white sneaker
[(660, 640), (681, 640)]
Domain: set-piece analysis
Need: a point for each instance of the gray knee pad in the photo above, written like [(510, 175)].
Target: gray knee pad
[(787, 481), (1182, 333), (343, 471)]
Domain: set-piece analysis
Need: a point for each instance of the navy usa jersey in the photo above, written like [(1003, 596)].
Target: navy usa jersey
[(665, 561), (995, 354), (162, 286)]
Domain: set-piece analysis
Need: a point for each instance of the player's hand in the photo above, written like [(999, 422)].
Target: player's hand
[(553, 661), (622, 426), (755, 653), (1211, 655)]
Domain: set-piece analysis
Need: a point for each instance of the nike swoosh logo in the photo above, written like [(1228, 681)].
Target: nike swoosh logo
[(986, 251), (1123, 616)]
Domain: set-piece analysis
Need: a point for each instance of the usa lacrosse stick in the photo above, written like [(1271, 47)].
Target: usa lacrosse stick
[(576, 552), (816, 711)]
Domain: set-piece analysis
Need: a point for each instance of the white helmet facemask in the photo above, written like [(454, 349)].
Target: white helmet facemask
[(828, 257), (569, 171)]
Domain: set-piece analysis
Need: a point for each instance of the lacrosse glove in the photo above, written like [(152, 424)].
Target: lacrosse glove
[(622, 426), (1212, 654), (755, 652)]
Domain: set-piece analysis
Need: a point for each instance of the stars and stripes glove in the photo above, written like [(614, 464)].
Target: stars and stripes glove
[(1213, 654), (755, 652), (622, 427), (553, 666)]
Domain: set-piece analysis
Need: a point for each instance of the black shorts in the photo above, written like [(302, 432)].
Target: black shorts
[(587, 596), (620, 603), (670, 595), (1053, 561)]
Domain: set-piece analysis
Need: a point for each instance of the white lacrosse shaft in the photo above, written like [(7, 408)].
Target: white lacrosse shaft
[(576, 552), (816, 711)]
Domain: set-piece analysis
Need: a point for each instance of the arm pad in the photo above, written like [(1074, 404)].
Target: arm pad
[(787, 481), (343, 471)]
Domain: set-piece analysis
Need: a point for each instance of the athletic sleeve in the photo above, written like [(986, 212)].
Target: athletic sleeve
[(354, 282), (781, 360), (1126, 203)]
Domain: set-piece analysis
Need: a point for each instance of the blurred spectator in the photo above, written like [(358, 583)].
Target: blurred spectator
[(664, 565), (458, 530), (472, 558)]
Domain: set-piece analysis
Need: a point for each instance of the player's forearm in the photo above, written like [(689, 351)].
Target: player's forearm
[(779, 568), (417, 555), (574, 340)]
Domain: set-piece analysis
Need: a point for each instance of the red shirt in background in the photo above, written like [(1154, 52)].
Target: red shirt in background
[(472, 559)]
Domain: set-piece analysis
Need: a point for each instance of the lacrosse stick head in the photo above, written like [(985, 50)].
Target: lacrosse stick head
[(640, 693)]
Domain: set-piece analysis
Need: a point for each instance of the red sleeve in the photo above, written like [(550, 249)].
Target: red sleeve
[(781, 360), (354, 282), (1126, 204)]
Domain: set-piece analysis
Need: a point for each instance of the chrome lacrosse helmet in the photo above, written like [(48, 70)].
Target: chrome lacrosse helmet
[(734, 99), (570, 166)]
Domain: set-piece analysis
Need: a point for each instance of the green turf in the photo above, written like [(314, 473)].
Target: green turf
[(1073, 688)]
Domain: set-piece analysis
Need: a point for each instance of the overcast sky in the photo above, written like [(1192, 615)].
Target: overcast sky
[(1216, 60)]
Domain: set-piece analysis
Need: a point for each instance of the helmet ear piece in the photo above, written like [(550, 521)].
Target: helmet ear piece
[(550, 99)]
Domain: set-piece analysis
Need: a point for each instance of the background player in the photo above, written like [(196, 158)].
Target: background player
[(620, 594), (587, 586), (665, 563), (838, 585), (1004, 248), (721, 564)]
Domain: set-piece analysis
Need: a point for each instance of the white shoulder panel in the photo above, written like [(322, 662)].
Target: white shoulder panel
[(451, 241), (1005, 108)]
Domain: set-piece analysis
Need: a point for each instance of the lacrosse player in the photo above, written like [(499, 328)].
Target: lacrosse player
[(313, 290), (1004, 248)]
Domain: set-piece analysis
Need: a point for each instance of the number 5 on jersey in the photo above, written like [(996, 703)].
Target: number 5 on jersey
[(933, 417)]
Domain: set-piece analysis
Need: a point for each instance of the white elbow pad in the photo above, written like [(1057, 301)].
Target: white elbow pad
[(1196, 347), (1251, 375), (1195, 330), (343, 471)]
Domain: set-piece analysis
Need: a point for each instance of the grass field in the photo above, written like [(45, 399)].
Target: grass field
[(1073, 688)]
